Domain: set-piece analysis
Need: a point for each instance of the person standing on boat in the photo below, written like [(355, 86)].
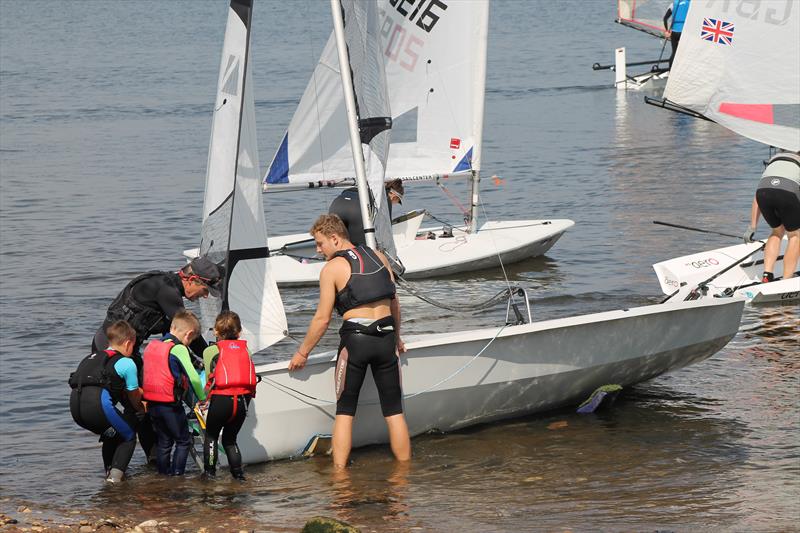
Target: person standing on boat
[(347, 208), (358, 282), (678, 12), (102, 381), (231, 385), (778, 199)]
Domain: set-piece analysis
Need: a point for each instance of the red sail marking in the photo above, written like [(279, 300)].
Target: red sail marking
[(755, 112)]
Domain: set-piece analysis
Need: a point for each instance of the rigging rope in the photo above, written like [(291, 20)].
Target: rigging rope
[(286, 388), (504, 294)]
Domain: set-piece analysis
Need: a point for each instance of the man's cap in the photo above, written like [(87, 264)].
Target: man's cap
[(209, 273)]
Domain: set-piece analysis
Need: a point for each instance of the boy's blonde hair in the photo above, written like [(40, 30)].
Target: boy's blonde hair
[(228, 326), (184, 321), (329, 225), (119, 333)]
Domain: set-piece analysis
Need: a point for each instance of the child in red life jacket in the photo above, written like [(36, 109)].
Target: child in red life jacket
[(165, 382), (231, 385)]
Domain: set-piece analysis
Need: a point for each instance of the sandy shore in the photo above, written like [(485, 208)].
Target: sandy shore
[(22, 516)]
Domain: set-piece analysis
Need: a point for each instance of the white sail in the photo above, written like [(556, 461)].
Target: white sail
[(643, 15), (234, 230), (435, 68), (738, 65)]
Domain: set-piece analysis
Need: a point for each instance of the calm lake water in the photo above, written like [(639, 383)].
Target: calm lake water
[(105, 113)]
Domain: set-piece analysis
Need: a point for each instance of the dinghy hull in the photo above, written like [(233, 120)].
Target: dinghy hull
[(455, 380), (687, 271), (508, 241)]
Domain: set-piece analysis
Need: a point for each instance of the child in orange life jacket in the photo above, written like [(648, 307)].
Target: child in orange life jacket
[(231, 385), (166, 379)]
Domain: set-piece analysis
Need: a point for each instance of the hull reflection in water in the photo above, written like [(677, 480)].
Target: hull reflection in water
[(454, 380)]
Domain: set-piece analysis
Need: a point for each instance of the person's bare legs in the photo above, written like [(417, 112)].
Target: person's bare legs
[(792, 254), (342, 440), (398, 437), (772, 249)]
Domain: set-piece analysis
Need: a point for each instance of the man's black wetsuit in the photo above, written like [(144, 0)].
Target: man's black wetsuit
[(148, 303), (366, 343), (346, 207)]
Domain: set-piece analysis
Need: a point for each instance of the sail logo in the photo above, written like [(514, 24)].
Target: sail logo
[(717, 31), (231, 77)]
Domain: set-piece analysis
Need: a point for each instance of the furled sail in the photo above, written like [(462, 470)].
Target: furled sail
[(234, 230), (738, 65), (643, 15), (434, 56)]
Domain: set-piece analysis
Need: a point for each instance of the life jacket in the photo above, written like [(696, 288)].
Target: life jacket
[(369, 281), (234, 372), (97, 370), (144, 319), (787, 167), (159, 384)]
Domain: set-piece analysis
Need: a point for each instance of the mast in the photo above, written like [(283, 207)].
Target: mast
[(481, 38), (352, 124)]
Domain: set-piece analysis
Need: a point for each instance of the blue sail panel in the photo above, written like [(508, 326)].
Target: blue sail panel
[(279, 169), (465, 163)]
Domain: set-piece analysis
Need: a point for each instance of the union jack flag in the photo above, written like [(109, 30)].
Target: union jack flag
[(717, 31)]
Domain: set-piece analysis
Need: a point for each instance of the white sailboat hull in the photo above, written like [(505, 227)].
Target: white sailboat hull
[(519, 370), (510, 241), (742, 279)]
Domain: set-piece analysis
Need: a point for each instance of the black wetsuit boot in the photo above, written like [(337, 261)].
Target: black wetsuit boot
[(209, 458), (235, 461)]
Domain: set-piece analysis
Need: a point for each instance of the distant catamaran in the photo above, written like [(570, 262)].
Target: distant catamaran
[(451, 379), (740, 69), (435, 60)]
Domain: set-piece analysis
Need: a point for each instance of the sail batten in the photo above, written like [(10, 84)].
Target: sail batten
[(741, 70)]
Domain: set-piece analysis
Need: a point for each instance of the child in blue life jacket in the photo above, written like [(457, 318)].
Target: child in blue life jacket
[(231, 385), (168, 375)]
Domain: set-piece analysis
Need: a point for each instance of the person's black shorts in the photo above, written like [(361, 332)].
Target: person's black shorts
[(779, 207), (372, 346)]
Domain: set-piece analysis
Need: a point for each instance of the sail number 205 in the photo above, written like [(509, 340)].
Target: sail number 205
[(399, 45)]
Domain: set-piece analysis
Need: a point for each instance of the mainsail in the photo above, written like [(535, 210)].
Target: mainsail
[(643, 15), (435, 64), (738, 65), (371, 101), (234, 230)]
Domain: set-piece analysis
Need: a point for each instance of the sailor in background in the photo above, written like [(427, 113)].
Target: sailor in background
[(778, 199), (347, 208), (102, 381), (678, 12), (359, 283)]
